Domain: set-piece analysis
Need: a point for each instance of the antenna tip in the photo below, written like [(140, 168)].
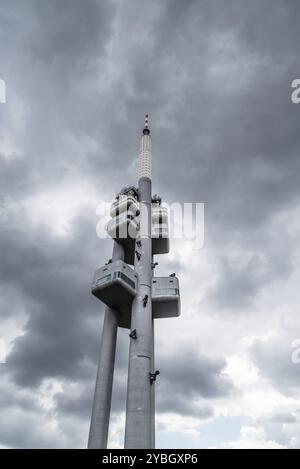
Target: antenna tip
[(146, 130)]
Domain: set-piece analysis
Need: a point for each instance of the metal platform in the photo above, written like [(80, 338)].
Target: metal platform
[(165, 297), (115, 285)]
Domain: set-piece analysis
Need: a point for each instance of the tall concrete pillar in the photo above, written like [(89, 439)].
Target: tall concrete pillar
[(103, 390), (139, 428), (153, 387), (153, 393)]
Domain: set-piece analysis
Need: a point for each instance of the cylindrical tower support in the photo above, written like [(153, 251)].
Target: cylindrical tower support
[(139, 421), (153, 392), (138, 430), (103, 390)]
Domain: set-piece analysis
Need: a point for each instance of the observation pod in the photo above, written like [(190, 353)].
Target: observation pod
[(124, 227), (165, 297), (115, 285)]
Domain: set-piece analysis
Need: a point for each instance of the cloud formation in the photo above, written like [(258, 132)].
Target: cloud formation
[(215, 79)]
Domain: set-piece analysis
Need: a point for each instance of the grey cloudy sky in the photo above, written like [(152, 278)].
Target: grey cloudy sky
[(215, 77)]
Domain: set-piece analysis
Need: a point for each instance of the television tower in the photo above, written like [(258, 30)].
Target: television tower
[(134, 298)]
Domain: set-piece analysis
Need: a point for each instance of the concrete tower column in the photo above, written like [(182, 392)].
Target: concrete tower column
[(139, 421), (153, 387), (102, 397), (153, 393)]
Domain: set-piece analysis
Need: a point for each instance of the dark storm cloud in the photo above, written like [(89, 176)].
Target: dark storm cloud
[(53, 275), (78, 400), (215, 77), (273, 358), (177, 404), (49, 58), (186, 382), (228, 125), (194, 375), (26, 423), (23, 401), (211, 125), (237, 286)]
